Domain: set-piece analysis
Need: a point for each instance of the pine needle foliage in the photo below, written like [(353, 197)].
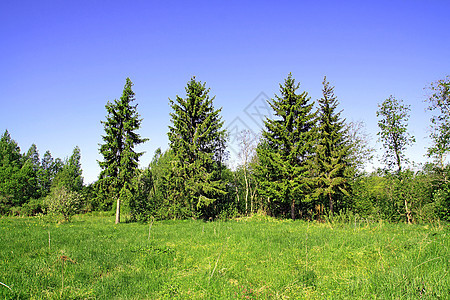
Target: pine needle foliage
[(332, 149), (285, 152), (198, 142), (120, 160)]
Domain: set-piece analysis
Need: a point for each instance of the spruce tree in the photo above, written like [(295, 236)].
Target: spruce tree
[(29, 174), (198, 142), (286, 150), (11, 191), (33, 156), (332, 149), (49, 169), (120, 160), (69, 176)]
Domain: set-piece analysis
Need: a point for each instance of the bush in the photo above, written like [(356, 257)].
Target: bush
[(442, 202), (32, 207), (62, 201)]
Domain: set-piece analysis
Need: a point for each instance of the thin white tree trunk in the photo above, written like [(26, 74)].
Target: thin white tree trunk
[(118, 211)]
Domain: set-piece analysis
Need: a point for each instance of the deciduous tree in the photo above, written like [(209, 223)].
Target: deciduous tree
[(393, 123), (439, 104)]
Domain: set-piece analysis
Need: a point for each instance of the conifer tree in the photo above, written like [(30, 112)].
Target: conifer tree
[(120, 160), (10, 166), (49, 169), (286, 150), (29, 173), (33, 156), (198, 142), (46, 173), (70, 174), (332, 149)]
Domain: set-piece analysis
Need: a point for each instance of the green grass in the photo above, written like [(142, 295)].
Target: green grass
[(91, 258)]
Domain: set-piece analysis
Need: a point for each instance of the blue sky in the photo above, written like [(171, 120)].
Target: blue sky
[(61, 61)]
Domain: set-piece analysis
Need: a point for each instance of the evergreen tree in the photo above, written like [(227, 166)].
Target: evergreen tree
[(9, 151), (11, 193), (47, 172), (33, 156), (70, 174), (332, 149), (286, 150), (120, 160), (30, 169), (198, 142)]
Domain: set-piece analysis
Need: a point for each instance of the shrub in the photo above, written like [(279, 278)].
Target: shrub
[(32, 207), (62, 201)]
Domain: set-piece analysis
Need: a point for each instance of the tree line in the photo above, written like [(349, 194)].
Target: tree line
[(308, 162)]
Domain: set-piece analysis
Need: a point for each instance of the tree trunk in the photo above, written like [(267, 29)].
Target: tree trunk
[(246, 189), (118, 211), (331, 203), (397, 154), (408, 213), (293, 209)]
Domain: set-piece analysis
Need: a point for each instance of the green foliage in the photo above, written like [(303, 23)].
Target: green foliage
[(332, 149), (393, 123), (439, 103), (141, 208), (33, 207), (164, 197), (70, 174), (49, 169), (11, 174), (25, 179), (285, 152), (120, 160), (404, 197), (18, 174), (360, 151), (64, 202), (441, 201), (303, 161), (198, 143), (440, 186)]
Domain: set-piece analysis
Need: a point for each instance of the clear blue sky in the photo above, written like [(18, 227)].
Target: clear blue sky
[(61, 61)]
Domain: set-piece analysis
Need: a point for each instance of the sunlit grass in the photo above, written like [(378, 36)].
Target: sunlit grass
[(248, 259)]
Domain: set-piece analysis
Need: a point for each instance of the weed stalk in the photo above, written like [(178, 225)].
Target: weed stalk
[(150, 228), (6, 286)]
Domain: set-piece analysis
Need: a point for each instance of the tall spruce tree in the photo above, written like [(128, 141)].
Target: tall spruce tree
[(198, 142), (286, 150), (332, 148), (120, 160)]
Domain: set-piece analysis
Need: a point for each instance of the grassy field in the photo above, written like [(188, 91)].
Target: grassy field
[(260, 258)]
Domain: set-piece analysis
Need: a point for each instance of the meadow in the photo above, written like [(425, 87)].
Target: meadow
[(256, 258)]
